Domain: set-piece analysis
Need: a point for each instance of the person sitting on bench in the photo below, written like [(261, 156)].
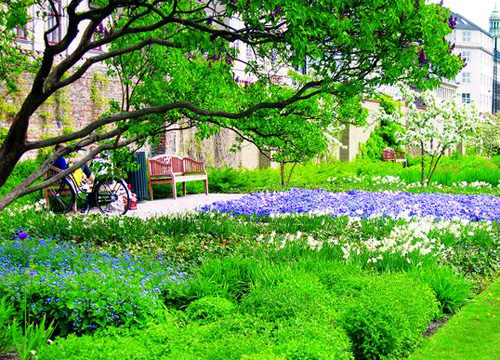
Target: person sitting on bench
[(62, 164)]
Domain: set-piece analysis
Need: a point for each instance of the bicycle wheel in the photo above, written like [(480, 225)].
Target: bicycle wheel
[(112, 197), (61, 197)]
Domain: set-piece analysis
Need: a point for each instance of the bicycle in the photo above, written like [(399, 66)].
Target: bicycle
[(109, 194)]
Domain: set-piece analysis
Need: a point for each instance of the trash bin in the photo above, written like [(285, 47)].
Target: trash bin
[(139, 179)]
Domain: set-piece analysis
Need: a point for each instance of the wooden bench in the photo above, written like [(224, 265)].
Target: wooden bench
[(394, 156), (170, 169)]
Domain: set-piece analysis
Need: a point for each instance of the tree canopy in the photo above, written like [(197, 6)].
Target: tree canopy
[(176, 57)]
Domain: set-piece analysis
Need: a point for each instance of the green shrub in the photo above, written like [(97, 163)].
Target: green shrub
[(301, 296), (22, 170), (386, 315), (301, 339), (232, 337), (210, 308), (384, 136)]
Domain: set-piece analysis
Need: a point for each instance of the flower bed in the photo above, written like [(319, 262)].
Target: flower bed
[(364, 204), (79, 288)]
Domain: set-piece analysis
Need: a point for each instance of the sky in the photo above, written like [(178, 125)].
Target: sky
[(477, 11)]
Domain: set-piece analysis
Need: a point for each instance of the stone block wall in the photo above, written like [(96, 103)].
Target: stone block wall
[(84, 101)]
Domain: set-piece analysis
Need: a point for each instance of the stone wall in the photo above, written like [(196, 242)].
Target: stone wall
[(86, 99), (67, 110)]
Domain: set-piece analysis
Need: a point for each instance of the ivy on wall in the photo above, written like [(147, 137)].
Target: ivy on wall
[(98, 86)]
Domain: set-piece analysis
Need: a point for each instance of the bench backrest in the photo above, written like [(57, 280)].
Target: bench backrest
[(388, 154), (400, 155), (175, 165)]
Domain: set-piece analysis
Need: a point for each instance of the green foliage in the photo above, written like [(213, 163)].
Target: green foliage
[(231, 337), (210, 308), (32, 339), (451, 290), (7, 313), (19, 174), (383, 137), (300, 297), (385, 318)]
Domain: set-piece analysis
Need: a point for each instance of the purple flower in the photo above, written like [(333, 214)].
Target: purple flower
[(422, 58), (452, 22), (22, 235), (363, 204), (32, 273)]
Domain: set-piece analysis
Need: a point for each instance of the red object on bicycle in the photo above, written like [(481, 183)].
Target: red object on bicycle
[(133, 198)]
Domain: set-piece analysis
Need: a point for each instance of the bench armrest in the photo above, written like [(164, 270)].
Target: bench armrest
[(159, 169)]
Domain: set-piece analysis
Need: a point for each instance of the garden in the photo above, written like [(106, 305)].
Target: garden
[(309, 272), (319, 259)]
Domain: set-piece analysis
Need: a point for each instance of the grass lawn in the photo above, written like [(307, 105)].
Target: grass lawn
[(473, 334)]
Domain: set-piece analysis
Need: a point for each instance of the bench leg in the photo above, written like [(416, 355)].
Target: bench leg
[(174, 189), (184, 188), (150, 189), (206, 186), (46, 196)]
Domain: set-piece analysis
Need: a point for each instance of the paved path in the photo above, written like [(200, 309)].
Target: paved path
[(181, 204)]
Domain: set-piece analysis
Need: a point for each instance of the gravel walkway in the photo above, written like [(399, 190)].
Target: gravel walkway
[(181, 204)]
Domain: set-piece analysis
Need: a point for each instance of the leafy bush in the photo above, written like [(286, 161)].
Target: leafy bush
[(210, 308), (386, 316), (22, 170), (229, 278), (301, 296), (303, 339), (231, 337), (384, 136)]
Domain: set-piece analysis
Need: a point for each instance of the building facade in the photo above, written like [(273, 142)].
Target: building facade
[(479, 80)]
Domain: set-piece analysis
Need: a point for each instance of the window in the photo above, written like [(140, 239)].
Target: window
[(52, 19), (466, 36), (21, 33), (466, 78), (249, 53), (466, 98), (466, 56)]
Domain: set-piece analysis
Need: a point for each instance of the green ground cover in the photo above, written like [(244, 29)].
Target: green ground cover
[(473, 334)]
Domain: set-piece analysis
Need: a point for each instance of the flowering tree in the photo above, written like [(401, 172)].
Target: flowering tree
[(436, 127), (182, 51), (489, 135)]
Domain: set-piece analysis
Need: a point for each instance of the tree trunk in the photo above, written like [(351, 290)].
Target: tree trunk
[(435, 166), (422, 176), (13, 147), (8, 160), (290, 175), (282, 172)]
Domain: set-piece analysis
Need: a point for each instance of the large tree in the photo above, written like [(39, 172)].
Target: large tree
[(181, 52)]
